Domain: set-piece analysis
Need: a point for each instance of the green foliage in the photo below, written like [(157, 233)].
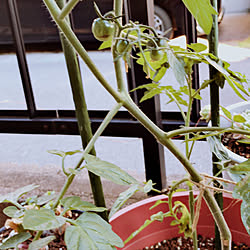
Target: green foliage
[(108, 171), (15, 240), (242, 191), (42, 219), (13, 212), (38, 244), (203, 12), (14, 196), (123, 197), (75, 203), (90, 231)]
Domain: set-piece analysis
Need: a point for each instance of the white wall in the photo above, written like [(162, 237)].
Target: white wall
[(236, 6)]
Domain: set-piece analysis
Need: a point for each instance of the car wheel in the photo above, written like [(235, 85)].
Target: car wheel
[(162, 22)]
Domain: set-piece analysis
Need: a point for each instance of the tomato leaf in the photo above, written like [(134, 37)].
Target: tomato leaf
[(38, 244), (75, 203), (105, 44), (177, 65), (91, 232), (15, 240), (239, 118), (122, 198), (42, 219), (242, 191), (108, 171), (197, 47), (13, 212), (202, 10), (14, 196)]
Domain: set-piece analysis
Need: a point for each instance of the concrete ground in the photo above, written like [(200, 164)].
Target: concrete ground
[(18, 165)]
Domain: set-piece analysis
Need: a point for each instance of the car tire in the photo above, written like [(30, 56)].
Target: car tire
[(162, 22)]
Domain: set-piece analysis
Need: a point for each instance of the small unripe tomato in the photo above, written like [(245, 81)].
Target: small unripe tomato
[(121, 46), (103, 30), (156, 55), (162, 42)]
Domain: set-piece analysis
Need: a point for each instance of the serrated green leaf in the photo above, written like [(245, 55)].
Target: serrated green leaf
[(198, 47), (202, 10), (42, 219), (150, 94), (147, 86), (14, 196), (98, 230), (245, 215), (75, 203), (242, 191), (38, 244), (76, 239), (13, 212), (177, 65), (108, 171), (105, 45), (15, 240), (227, 113), (231, 84), (45, 198), (122, 198), (239, 118)]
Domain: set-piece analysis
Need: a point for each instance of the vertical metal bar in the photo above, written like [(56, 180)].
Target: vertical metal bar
[(215, 107), (153, 151), (191, 36), (21, 57)]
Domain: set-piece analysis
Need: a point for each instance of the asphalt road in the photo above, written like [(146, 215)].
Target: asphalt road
[(27, 154)]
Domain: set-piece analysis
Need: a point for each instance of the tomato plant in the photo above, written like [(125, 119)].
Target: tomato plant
[(122, 46), (102, 29), (156, 54)]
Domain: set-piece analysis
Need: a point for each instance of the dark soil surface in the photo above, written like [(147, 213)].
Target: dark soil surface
[(187, 244), (231, 142)]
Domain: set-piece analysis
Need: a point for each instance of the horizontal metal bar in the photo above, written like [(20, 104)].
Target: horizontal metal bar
[(64, 122)]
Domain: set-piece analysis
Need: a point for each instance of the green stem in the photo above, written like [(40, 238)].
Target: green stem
[(81, 112), (121, 86), (183, 131), (67, 8), (102, 127), (64, 189), (214, 101), (191, 207)]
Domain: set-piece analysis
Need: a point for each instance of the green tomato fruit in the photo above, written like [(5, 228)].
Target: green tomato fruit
[(122, 46), (162, 42), (103, 30), (156, 55)]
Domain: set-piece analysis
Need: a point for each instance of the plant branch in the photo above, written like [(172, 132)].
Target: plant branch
[(185, 130), (118, 63), (68, 7)]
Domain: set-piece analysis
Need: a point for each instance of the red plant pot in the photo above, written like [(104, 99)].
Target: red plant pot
[(129, 219)]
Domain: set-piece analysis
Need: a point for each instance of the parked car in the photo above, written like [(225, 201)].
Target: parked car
[(40, 33)]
